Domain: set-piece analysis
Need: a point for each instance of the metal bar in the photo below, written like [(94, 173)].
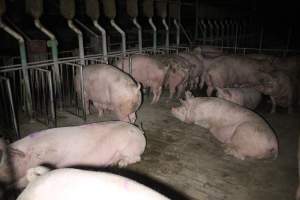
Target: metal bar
[(80, 41), (82, 92), (104, 44), (167, 32), (112, 22), (139, 34), (53, 43), (177, 33), (23, 63), (53, 116), (14, 117), (154, 34)]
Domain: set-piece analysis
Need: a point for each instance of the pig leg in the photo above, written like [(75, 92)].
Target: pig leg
[(156, 94), (172, 91), (128, 160), (180, 90), (209, 90), (273, 105)]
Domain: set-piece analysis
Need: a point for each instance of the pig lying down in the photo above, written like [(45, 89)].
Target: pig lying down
[(243, 132), (93, 145), (74, 184), (247, 97), (110, 89)]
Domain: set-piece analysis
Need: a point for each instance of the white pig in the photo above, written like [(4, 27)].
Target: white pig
[(95, 145), (247, 97), (244, 133), (75, 184), (110, 89)]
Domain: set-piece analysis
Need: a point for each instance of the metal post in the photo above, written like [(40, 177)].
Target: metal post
[(205, 31), (11, 101), (53, 45), (222, 34), (80, 41), (104, 44), (167, 33), (177, 34), (112, 22), (139, 34), (154, 33), (23, 63), (261, 38), (288, 40)]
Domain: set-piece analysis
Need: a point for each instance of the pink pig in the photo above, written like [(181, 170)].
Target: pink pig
[(93, 145), (148, 71), (243, 132), (75, 184), (248, 97)]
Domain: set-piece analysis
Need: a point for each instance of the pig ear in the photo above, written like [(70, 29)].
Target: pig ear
[(16, 152)]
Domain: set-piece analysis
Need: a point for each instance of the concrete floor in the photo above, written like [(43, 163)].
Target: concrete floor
[(185, 162)]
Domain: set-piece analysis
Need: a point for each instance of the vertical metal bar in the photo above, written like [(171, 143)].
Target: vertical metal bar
[(290, 31), (177, 35), (112, 22), (197, 21), (205, 31), (80, 41), (130, 64), (167, 33), (14, 117), (53, 116), (261, 38), (104, 44), (154, 34), (236, 38), (139, 34), (82, 92)]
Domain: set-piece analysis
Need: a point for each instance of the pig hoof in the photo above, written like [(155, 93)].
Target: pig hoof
[(128, 160), (231, 151)]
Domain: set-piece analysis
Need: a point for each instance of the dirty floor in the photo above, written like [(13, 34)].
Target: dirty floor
[(185, 162)]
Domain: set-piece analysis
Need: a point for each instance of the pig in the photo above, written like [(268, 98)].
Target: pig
[(148, 71), (75, 184), (110, 89), (244, 133), (196, 71), (247, 97), (93, 145), (232, 71), (178, 74), (298, 189), (279, 87)]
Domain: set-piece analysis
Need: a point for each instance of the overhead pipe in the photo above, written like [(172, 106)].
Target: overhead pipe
[(110, 12), (132, 11), (177, 33), (112, 22), (138, 26), (205, 30), (80, 40), (104, 43), (53, 44), (23, 63), (167, 32), (154, 34)]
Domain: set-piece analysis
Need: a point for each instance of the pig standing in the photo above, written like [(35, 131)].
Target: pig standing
[(280, 89), (75, 184), (197, 69), (247, 97), (243, 132), (148, 71), (95, 145), (178, 74), (110, 89), (232, 71)]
